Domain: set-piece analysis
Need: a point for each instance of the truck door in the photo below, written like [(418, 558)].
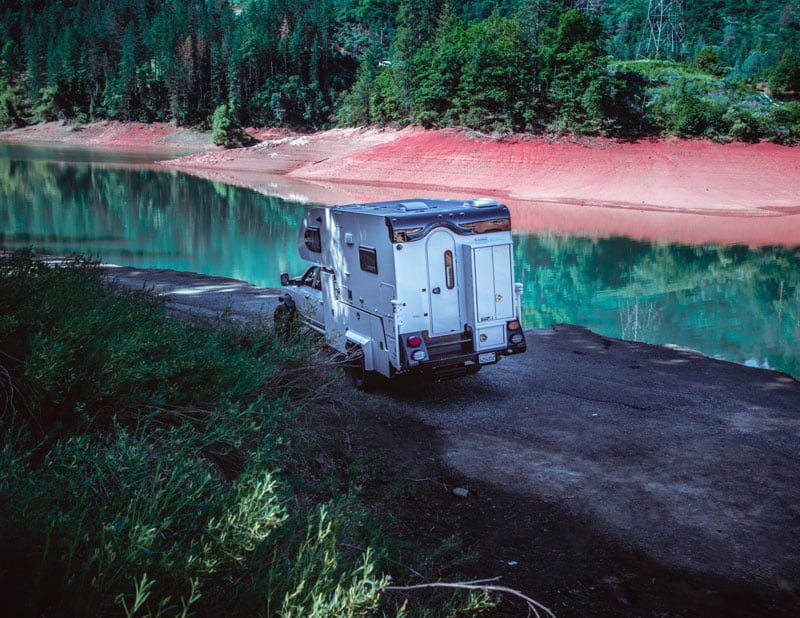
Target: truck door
[(494, 286), (442, 284), (311, 297)]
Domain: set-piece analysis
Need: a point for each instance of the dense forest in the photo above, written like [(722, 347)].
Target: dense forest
[(727, 69)]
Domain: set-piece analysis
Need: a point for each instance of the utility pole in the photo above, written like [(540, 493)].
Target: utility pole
[(663, 30)]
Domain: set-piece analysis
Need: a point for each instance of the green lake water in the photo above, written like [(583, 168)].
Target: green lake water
[(730, 302)]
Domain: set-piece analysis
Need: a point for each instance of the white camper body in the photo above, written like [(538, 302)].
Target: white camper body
[(416, 286)]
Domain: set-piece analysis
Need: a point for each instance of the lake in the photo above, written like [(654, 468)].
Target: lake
[(730, 302)]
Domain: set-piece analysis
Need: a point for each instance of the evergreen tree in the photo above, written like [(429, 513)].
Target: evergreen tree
[(572, 60), (785, 78), (508, 64), (495, 88)]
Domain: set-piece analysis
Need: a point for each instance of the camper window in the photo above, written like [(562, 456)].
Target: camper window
[(489, 225), (312, 239), (449, 272), (368, 258)]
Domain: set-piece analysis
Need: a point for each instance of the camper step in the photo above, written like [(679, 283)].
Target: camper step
[(450, 371), (448, 345)]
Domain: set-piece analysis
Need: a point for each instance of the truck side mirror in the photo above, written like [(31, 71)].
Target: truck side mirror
[(284, 278)]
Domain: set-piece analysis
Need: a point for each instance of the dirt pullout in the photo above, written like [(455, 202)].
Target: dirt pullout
[(603, 477)]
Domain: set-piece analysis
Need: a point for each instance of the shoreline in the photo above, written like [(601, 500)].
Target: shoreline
[(670, 190)]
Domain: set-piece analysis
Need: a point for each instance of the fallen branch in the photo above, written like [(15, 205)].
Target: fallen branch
[(483, 585)]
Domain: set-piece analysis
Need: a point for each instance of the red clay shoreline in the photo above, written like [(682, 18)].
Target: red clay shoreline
[(688, 191)]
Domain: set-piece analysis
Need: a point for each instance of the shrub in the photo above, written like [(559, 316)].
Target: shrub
[(12, 107), (225, 131), (744, 126), (786, 119), (784, 79), (88, 349), (707, 60), (220, 125)]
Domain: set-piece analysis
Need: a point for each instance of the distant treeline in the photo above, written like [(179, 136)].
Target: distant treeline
[(719, 68)]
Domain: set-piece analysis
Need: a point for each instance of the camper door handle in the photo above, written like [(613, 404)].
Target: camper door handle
[(436, 290)]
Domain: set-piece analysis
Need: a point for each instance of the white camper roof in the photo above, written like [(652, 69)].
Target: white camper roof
[(423, 205), (407, 220)]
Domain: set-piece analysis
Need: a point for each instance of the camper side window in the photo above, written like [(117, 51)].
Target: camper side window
[(368, 258), (312, 239)]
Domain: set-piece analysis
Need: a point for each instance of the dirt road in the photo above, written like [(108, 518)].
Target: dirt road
[(605, 477)]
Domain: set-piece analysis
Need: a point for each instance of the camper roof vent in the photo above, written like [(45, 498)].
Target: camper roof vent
[(481, 202), (411, 206)]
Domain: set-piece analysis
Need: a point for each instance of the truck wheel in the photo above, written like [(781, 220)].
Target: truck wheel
[(363, 380), (284, 320)]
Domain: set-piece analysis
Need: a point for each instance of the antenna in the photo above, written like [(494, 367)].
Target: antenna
[(663, 30)]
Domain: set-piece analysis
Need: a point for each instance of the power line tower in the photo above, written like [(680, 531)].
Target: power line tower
[(593, 7), (663, 31)]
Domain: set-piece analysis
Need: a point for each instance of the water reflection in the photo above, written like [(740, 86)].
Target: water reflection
[(148, 218), (70, 153), (732, 302)]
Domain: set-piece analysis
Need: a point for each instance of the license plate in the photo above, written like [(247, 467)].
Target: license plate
[(487, 357)]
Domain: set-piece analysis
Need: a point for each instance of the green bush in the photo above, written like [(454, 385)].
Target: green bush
[(87, 349), (225, 131), (220, 126), (744, 126), (784, 79), (707, 60), (150, 495), (13, 107), (786, 123)]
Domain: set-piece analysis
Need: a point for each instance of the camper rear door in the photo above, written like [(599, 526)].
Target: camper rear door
[(442, 284)]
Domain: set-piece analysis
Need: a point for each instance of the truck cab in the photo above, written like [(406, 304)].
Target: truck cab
[(421, 286)]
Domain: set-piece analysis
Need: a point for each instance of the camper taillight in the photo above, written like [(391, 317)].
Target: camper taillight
[(515, 335)]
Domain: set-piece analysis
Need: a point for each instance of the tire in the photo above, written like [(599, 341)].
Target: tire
[(284, 317), (362, 379)]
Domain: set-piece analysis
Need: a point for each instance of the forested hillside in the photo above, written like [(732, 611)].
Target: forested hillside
[(720, 68)]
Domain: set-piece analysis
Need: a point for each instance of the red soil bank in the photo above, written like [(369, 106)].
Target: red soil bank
[(691, 191), (113, 136)]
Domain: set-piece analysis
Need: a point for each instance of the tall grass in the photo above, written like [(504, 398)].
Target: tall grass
[(141, 523), (140, 462)]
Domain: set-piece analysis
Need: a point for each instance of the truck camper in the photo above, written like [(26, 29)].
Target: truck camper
[(420, 286)]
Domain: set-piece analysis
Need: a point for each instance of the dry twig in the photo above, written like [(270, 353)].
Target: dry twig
[(483, 585)]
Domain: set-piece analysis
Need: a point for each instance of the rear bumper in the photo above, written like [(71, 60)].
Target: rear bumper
[(455, 355)]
